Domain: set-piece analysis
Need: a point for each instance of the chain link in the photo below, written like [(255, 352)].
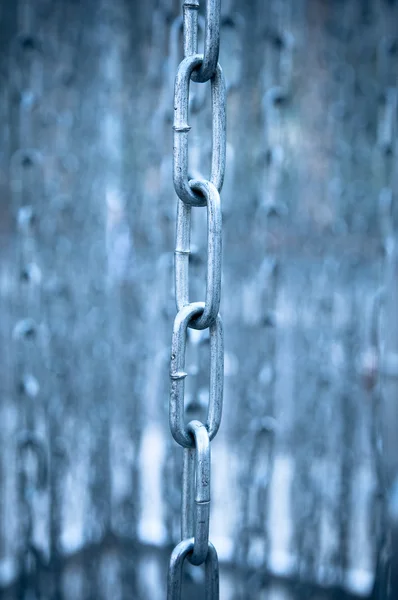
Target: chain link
[(181, 129), (212, 40), (182, 253), (177, 375), (178, 557), (195, 437)]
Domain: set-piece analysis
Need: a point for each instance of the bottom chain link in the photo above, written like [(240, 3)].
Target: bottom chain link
[(178, 556)]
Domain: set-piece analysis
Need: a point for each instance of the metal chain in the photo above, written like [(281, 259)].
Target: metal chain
[(195, 437), (27, 185), (31, 481)]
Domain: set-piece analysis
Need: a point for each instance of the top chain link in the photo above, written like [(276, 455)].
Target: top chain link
[(199, 68), (181, 128), (178, 557), (190, 26), (212, 37), (214, 248)]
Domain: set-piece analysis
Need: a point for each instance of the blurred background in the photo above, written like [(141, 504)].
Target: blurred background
[(303, 468)]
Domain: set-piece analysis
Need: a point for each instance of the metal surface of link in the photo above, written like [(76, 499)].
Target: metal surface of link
[(174, 582), (195, 517), (178, 428), (214, 249), (212, 41), (190, 19), (181, 130)]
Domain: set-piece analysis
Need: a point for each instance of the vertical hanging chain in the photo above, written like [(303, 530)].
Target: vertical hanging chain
[(27, 188), (195, 437)]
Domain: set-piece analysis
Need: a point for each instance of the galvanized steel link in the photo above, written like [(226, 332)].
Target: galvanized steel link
[(212, 40), (195, 517), (182, 128), (177, 375), (214, 249), (178, 556)]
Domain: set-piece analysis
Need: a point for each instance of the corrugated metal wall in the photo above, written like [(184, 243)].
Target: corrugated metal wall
[(86, 286)]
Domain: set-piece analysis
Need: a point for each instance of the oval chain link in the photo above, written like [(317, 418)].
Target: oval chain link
[(180, 432), (182, 129), (178, 556), (214, 249), (195, 436)]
